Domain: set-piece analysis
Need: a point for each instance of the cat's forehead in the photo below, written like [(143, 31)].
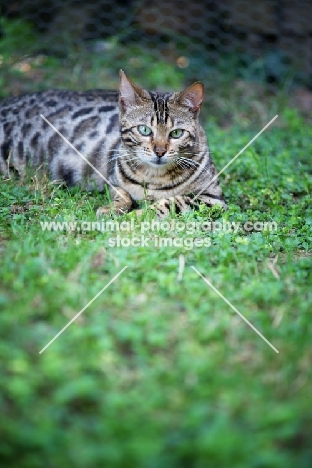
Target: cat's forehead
[(160, 106), (167, 111), (161, 110)]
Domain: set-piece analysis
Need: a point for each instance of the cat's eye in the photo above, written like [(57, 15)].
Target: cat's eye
[(176, 133), (144, 130)]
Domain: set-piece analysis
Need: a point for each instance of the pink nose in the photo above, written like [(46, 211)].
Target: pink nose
[(160, 151)]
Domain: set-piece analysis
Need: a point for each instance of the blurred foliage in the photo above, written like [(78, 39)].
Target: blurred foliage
[(16, 36), (30, 62), (169, 66)]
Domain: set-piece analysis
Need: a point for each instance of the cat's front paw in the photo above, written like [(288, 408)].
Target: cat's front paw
[(110, 209), (104, 210), (177, 204)]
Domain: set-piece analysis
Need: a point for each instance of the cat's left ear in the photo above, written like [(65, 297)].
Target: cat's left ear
[(193, 97)]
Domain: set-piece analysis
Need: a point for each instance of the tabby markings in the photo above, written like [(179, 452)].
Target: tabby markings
[(82, 156)]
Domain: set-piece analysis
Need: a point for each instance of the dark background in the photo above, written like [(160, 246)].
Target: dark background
[(263, 39)]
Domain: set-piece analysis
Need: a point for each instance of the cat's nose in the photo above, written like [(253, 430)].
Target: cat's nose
[(160, 151)]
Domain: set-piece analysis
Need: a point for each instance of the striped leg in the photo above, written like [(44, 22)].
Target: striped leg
[(122, 203), (183, 203)]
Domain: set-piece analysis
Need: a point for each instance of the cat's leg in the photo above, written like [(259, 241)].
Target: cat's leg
[(183, 203), (177, 204), (121, 203), (211, 200)]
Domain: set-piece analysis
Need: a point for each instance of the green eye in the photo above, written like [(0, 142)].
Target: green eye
[(176, 133), (144, 130)]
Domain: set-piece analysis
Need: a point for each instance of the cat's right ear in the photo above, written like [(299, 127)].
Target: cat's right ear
[(129, 93)]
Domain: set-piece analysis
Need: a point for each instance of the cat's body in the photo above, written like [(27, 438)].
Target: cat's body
[(145, 145)]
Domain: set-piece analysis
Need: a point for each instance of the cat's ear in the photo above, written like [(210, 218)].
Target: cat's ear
[(129, 93), (193, 97)]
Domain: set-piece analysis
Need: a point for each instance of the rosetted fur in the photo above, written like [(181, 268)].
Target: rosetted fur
[(149, 145)]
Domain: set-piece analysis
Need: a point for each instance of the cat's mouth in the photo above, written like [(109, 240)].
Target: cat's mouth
[(156, 161), (159, 162)]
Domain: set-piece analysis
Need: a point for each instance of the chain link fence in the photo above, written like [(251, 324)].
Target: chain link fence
[(267, 39)]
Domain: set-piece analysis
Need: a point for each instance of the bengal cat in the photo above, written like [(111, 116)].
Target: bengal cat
[(143, 144)]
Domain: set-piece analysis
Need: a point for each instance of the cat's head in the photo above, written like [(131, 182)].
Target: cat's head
[(159, 127)]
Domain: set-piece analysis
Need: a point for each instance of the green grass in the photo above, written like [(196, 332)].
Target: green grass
[(159, 371)]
